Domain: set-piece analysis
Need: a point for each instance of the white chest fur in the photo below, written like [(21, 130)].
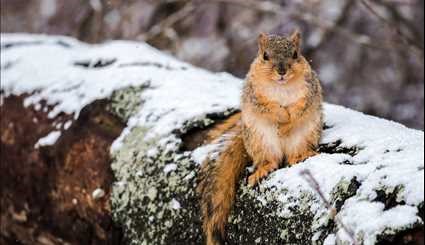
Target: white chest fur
[(286, 94), (265, 134)]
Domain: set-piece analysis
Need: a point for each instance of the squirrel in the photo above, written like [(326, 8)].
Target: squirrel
[(280, 122)]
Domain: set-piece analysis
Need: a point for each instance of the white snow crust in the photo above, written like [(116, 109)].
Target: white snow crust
[(388, 156)]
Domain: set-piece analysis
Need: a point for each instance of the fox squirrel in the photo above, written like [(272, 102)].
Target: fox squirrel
[(280, 122)]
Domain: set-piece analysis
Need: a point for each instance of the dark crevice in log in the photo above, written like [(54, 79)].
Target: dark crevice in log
[(198, 134), (389, 199), (335, 147), (9, 45), (413, 236), (99, 63), (154, 64)]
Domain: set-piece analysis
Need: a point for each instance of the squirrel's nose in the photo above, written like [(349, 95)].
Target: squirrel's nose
[(281, 69)]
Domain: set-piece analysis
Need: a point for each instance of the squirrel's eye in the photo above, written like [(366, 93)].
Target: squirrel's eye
[(265, 56), (295, 56)]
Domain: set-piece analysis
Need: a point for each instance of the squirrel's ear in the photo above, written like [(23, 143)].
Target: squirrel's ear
[(262, 41), (296, 39)]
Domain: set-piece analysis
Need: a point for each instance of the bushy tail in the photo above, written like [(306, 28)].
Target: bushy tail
[(218, 182)]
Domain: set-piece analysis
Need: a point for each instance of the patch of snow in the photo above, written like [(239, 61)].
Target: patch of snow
[(98, 193), (201, 153), (330, 240), (74, 201), (37, 106), (190, 175), (67, 124), (152, 152), (356, 212), (70, 86), (175, 204), (120, 183), (387, 154), (49, 139), (170, 167)]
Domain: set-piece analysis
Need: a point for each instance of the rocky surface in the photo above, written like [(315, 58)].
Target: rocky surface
[(133, 122)]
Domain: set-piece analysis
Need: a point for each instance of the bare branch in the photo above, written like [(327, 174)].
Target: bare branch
[(406, 39), (408, 24), (401, 2), (269, 7), (273, 8), (330, 32), (306, 174), (166, 23)]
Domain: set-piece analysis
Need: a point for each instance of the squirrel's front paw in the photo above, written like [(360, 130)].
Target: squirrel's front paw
[(254, 178), (260, 173), (283, 120)]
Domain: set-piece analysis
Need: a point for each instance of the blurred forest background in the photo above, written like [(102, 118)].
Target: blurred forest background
[(369, 53)]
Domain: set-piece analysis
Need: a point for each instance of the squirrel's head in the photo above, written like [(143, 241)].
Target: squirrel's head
[(278, 56)]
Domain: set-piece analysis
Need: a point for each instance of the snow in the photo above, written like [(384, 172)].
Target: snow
[(67, 125), (201, 153), (175, 204), (330, 240), (98, 193), (52, 72), (388, 156), (74, 201), (356, 212), (170, 167), (49, 139)]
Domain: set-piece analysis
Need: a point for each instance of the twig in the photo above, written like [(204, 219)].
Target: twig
[(169, 21), (270, 7), (306, 174), (401, 2), (390, 25), (273, 8), (360, 39), (263, 6), (330, 32), (397, 16)]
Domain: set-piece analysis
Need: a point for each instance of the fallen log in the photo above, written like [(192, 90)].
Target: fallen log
[(64, 103)]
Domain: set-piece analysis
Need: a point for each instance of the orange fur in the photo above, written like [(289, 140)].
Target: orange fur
[(280, 121), (217, 187), (218, 130), (283, 119)]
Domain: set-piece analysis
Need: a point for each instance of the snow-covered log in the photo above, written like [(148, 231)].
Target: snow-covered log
[(370, 170)]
